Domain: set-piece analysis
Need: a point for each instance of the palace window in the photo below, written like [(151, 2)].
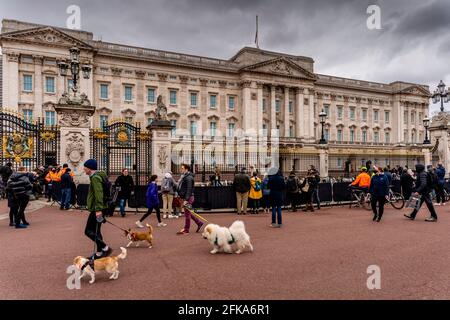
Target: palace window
[(128, 93), (277, 106), (194, 96), (50, 119), (212, 128), (413, 119), (291, 131), (352, 135), (230, 132), (364, 136), (103, 121), (326, 109), (151, 95), (50, 84), (387, 137), (264, 106), (364, 114), (231, 102), (376, 137), (386, 117), (413, 137), (291, 109), (352, 114), (264, 128), (405, 117), (27, 83), (173, 123), (339, 135), (104, 91), (340, 112), (69, 85), (173, 97), (129, 120), (339, 163), (327, 134), (375, 115), (149, 121), (193, 128), (213, 101), (28, 115)]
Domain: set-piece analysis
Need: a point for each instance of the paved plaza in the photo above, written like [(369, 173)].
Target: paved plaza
[(324, 255)]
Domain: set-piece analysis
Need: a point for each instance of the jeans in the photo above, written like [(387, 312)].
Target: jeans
[(17, 210), (380, 201), (315, 197), (66, 196), (122, 203), (425, 197), (149, 212), (276, 215), (93, 231), (188, 215)]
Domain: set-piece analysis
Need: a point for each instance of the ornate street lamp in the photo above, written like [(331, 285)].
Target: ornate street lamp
[(322, 117), (426, 125), (75, 68), (441, 94)]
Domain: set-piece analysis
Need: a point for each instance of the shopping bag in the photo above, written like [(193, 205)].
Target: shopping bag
[(413, 202)]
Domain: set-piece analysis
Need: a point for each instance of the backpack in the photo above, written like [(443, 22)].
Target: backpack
[(292, 184), (107, 186), (257, 185), (166, 186), (431, 180)]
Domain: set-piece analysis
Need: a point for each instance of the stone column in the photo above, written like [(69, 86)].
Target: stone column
[(323, 161), (39, 86), (299, 113), (75, 121), (259, 108), (273, 114), (116, 92), (11, 81), (427, 155), (161, 147), (439, 135), (286, 111), (311, 115), (246, 107), (140, 112)]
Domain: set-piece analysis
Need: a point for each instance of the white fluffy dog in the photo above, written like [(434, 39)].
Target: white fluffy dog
[(221, 238)]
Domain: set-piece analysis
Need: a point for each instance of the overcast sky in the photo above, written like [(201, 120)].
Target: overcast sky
[(413, 44)]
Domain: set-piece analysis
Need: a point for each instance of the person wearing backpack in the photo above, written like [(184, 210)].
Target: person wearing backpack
[(96, 205), (168, 187), (306, 188), (424, 184), (19, 188), (292, 190), (266, 194), (255, 194), (440, 195), (126, 184)]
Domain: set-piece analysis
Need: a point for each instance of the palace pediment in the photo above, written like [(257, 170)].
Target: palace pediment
[(45, 36), (415, 90), (281, 66)]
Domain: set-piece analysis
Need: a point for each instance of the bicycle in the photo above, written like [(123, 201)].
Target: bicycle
[(396, 200), (363, 198)]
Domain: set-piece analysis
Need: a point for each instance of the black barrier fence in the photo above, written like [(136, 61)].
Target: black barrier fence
[(209, 198)]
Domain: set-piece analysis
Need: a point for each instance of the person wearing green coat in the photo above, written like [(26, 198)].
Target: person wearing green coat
[(95, 205)]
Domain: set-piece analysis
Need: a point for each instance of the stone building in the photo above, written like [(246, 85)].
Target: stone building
[(254, 93)]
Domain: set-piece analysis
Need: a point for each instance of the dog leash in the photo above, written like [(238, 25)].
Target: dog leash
[(116, 226), (191, 210)]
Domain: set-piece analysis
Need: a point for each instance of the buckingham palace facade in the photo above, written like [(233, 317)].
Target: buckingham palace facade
[(259, 91)]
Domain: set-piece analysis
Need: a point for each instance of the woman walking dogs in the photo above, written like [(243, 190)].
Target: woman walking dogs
[(186, 193)]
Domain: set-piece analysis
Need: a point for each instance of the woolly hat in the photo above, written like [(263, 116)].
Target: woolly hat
[(91, 164)]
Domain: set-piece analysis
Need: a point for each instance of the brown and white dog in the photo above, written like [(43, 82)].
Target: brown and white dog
[(109, 264), (136, 237), (221, 238)]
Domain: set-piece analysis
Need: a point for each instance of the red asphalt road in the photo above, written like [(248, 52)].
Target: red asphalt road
[(314, 256)]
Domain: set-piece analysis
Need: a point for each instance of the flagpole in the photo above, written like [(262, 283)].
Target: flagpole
[(256, 37)]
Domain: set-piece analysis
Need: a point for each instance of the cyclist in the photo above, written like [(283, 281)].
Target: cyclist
[(362, 181)]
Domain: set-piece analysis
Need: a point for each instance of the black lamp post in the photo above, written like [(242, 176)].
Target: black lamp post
[(426, 125), (441, 94), (75, 67), (322, 117)]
